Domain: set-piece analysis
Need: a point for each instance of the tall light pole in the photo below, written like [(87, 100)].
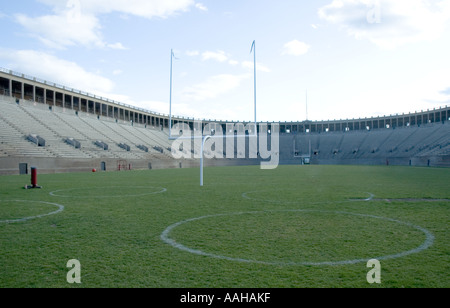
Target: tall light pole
[(254, 75), (170, 101)]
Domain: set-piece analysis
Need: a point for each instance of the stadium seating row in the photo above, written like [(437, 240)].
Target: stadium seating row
[(405, 142), (18, 120)]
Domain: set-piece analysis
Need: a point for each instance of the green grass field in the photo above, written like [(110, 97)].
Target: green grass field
[(310, 226)]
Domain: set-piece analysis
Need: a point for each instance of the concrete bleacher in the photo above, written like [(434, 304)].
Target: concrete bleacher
[(392, 143), (85, 134), (14, 143), (19, 119), (149, 147), (405, 144), (110, 137)]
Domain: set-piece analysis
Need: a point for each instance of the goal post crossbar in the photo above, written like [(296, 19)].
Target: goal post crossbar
[(210, 136)]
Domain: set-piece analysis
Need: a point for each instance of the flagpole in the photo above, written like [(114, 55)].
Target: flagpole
[(254, 77), (170, 101), (306, 105)]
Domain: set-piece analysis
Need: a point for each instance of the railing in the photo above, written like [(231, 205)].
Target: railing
[(65, 88)]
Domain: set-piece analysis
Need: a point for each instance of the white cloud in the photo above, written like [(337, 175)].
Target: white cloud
[(259, 67), (213, 87), (201, 7), (46, 66), (142, 8), (387, 23), (219, 56), (117, 46), (76, 22), (192, 53), (295, 48), (60, 31), (154, 106)]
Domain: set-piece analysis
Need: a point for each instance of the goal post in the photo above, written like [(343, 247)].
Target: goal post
[(123, 165), (205, 137)]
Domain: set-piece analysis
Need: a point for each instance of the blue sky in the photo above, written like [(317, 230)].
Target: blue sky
[(354, 58)]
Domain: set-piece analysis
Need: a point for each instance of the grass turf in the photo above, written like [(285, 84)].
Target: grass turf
[(254, 228)]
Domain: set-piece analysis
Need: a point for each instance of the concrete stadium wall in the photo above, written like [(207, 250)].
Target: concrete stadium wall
[(10, 165), (433, 161)]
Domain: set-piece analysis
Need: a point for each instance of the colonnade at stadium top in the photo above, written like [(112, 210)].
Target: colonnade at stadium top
[(25, 87)]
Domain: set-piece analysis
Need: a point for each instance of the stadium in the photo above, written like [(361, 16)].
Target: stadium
[(61, 129), (343, 192)]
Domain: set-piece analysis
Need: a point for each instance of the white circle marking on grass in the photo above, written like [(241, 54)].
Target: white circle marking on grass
[(57, 193), (60, 209), (246, 196), (165, 237)]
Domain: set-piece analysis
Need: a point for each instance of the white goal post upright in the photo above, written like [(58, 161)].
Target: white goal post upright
[(206, 137)]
